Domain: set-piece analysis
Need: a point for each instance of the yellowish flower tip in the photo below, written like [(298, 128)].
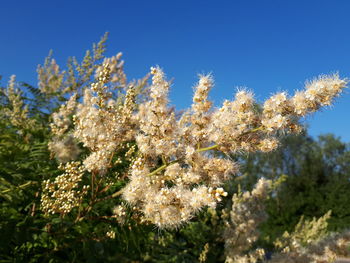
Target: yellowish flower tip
[(154, 70)]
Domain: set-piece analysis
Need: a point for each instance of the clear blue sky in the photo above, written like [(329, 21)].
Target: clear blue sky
[(265, 45)]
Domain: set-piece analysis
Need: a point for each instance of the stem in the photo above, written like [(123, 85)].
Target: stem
[(110, 196), (208, 148), (111, 158), (79, 212), (164, 160), (80, 218), (20, 186), (253, 130), (34, 205), (93, 200), (92, 185), (216, 146), (161, 168)]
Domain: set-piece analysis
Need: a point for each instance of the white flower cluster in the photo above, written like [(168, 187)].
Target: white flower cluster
[(61, 119), (115, 65), (280, 112), (231, 123), (248, 211), (170, 194), (101, 124), (65, 149), (63, 194), (175, 173), (110, 234), (63, 145), (187, 180), (120, 213)]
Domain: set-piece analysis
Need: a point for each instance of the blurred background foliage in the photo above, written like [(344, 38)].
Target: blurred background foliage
[(316, 180)]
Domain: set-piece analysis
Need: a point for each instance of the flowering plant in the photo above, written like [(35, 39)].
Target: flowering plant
[(169, 165), (130, 160)]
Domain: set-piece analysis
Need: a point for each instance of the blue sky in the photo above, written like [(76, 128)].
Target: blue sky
[(267, 46)]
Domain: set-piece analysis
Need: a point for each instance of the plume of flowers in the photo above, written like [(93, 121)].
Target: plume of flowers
[(16, 112), (174, 173), (50, 77), (62, 118), (116, 70), (189, 178), (241, 226), (101, 124), (63, 146)]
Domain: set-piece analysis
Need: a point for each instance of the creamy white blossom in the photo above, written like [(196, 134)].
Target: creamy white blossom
[(173, 172)]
